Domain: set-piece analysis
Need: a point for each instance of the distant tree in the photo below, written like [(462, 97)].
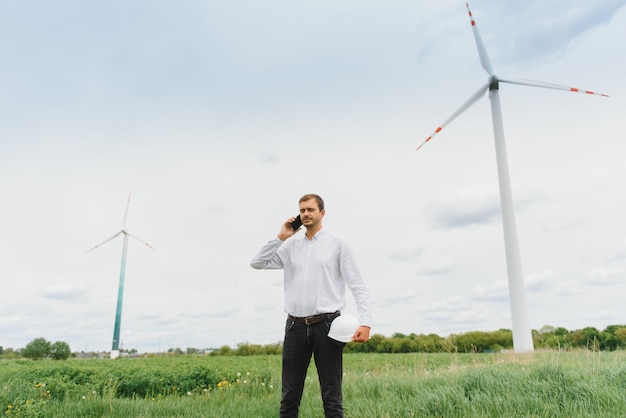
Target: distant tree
[(588, 337), (428, 343), (60, 350), (176, 351), (9, 353), (610, 337), (37, 349), (1, 350), (620, 334), (560, 331)]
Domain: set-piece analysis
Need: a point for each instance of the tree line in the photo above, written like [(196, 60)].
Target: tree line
[(611, 338), (40, 348)]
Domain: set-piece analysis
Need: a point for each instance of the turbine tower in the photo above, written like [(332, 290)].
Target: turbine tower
[(522, 337), (115, 349)]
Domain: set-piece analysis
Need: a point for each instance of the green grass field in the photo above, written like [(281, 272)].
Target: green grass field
[(543, 384)]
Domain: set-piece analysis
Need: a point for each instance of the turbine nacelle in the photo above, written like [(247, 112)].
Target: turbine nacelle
[(494, 83)]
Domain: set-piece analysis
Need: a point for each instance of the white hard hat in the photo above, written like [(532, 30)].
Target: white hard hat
[(343, 328)]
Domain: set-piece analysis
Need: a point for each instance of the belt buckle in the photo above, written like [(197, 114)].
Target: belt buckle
[(307, 319)]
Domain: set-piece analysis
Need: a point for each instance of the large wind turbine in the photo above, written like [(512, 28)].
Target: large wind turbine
[(522, 337), (115, 349)]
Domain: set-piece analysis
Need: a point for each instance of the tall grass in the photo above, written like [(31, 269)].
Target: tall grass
[(543, 384)]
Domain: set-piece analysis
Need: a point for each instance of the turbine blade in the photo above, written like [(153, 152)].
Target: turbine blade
[(140, 240), (126, 212), (542, 84), (482, 51), (105, 241), (475, 97)]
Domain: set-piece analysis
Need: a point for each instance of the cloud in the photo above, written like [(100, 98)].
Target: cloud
[(409, 255), (561, 24), (268, 157), (570, 288), (456, 313), (496, 292), (467, 208), (540, 282), (266, 307), (620, 251), (65, 291), (606, 314), (603, 276), (435, 267), (400, 297)]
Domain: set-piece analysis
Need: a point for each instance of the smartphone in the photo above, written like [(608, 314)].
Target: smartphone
[(297, 223)]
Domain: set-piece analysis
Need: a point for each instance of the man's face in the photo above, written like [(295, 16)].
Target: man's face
[(310, 213)]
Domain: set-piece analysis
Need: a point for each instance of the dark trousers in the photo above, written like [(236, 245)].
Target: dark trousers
[(301, 342)]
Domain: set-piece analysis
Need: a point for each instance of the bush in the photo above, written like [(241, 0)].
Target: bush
[(40, 348), (37, 349), (60, 350)]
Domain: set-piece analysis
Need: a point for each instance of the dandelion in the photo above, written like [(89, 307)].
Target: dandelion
[(222, 384), (84, 397), (271, 386), (245, 382), (188, 393)]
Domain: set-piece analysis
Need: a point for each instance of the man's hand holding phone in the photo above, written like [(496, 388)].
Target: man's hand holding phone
[(290, 228)]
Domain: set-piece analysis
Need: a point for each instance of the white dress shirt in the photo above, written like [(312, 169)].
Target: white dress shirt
[(316, 274)]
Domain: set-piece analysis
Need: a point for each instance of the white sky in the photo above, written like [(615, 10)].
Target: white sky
[(220, 115)]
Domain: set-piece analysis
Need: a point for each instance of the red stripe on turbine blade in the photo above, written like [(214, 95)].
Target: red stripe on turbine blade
[(423, 143), (436, 131), (575, 90)]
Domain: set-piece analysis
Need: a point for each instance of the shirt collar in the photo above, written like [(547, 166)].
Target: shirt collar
[(319, 233)]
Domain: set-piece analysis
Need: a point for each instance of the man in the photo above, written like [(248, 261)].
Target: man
[(317, 268)]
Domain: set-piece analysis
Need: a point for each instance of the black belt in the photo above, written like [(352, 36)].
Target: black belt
[(310, 320)]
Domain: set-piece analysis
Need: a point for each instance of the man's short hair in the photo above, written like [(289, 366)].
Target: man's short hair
[(318, 199)]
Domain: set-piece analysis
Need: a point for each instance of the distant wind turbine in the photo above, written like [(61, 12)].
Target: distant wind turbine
[(522, 337), (115, 349)]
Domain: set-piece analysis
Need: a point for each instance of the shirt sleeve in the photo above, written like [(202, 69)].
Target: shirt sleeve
[(268, 257), (356, 284)]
